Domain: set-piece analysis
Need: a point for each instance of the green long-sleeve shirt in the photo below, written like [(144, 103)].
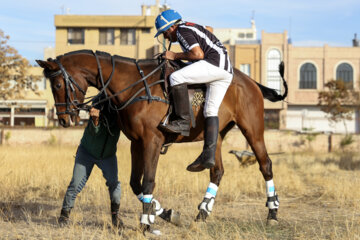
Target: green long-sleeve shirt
[(98, 141)]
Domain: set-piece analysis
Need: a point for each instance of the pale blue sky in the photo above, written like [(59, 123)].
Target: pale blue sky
[(30, 24)]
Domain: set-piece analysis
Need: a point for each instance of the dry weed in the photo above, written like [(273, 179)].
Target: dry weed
[(318, 199)]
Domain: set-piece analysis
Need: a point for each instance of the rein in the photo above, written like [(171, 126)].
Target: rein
[(70, 89)]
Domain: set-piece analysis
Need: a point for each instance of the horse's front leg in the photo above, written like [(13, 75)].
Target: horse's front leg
[(216, 173), (151, 145), (137, 171)]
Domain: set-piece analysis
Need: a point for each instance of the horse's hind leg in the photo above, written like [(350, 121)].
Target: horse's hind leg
[(253, 129), (216, 173)]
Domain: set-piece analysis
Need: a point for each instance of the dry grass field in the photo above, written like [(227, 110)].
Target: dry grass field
[(319, 196)]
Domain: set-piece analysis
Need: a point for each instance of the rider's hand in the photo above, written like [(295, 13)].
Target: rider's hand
[(169, 55), (94, 114)]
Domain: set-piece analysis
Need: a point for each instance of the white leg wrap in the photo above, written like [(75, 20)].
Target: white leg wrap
[(208, 203), (211, 190), (158, 209), (272, 198), (270, 188), (147, 219), (147, 198), (140, 197)]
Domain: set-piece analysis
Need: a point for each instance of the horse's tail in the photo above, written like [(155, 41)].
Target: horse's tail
[(271, 94)]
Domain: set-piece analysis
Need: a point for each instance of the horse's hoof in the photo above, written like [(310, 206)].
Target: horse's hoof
[(272, 218), (202, 215), (149, 230), (175, 217), (272, 222), (171, 216)]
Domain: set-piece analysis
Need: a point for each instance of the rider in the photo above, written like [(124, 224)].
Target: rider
[(97, 147), (210, 64)]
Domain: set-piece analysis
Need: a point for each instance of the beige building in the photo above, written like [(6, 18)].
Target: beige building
[(307, 71), (307, 68), (129, 36), (32, 109), (234, 36)]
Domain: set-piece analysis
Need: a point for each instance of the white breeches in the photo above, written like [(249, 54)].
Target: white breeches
[(217, 82)]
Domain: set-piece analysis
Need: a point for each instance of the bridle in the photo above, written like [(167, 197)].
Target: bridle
[(69, 90)]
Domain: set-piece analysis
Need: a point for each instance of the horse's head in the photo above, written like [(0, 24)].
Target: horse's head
[(68, 85)]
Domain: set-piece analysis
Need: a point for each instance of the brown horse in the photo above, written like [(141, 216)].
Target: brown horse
[(118, 77)]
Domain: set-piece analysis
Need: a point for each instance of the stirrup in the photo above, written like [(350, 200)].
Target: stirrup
[(168, 128)]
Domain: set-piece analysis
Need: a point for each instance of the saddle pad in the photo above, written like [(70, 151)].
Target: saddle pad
[(197, 98)]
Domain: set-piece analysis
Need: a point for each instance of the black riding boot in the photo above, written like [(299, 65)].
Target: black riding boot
[(64, 217), (207, 157), (115, 217), (182, 111)]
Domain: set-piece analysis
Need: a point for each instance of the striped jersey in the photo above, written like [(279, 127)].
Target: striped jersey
[(190, 35)]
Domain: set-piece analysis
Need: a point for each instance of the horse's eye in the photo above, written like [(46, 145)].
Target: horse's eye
[(58, 86)]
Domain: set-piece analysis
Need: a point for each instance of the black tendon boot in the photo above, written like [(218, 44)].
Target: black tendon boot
[(207, 157), (64, 217), (115, 217), (182, 111)]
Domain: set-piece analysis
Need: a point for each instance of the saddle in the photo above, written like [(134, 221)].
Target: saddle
[(197, 92)]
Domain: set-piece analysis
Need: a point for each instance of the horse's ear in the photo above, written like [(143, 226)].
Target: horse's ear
[(46, 64)]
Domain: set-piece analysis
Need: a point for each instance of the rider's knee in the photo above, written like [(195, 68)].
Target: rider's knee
[(176, 79)]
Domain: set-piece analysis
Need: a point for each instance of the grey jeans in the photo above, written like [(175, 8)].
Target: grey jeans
[(84, 164)]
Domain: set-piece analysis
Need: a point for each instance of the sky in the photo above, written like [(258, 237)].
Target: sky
[(30, 23)]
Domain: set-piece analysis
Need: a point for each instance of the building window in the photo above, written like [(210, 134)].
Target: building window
[(106, 36), (127, 36), (273, 76), (308, 76), (245, 68), (345, 72), (76, 36), (145, 30), (5, 110), (249, 35), (241, 35)]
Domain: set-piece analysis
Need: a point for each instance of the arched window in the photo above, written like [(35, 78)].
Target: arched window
[(345, 72), (273, 76), (308, 76)]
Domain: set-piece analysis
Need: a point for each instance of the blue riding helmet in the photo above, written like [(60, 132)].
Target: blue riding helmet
[(165, 20)]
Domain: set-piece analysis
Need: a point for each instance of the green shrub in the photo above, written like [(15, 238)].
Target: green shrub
[(346, 141)]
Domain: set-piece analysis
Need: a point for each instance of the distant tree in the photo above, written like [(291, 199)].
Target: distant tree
[(338, 102), (13, 71)]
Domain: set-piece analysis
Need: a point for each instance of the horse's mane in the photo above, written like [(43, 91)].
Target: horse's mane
[(108, 55)]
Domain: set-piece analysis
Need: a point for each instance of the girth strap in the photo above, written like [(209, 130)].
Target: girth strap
[(147, 89)]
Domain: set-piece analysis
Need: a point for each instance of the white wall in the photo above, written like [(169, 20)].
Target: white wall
[(300, 117)]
